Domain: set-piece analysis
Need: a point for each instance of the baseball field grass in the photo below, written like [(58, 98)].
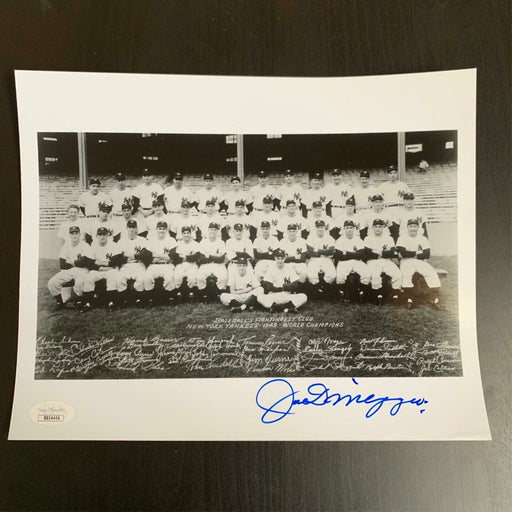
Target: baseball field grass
[(206, 340)]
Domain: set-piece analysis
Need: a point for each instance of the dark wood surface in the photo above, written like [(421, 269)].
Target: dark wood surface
[(279, 37)]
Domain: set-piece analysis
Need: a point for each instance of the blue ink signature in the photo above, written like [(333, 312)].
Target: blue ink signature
[(320, 394)]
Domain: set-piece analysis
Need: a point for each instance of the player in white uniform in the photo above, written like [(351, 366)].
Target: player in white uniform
[(352, 273), (185, 218), (315, 194), (90, 200), (176, 194), (349, 213), (238, 246), (72, 220), (264, 247), (394, 191), (291, 215), (415, 250), (208, 193), (146, 193), (321, 270), (290, 190), (268, 215), (235, 194), (364, 192), (120, 195), (244, 288), (157, 216), (409, 211), (380, 249), (239, 217), (104, 257), (377, 211), (210, 215), (187, 256), (281, 284), (163, 250), (296, 251), (317, 213), (133, 248), (70, 254), (102, 221), (212, 276), (122, 221), (337, 194), (261, 190)]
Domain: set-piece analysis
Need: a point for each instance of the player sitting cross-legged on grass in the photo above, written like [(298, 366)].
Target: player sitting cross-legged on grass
[(104, 258), (281, 283), (185, 275), (70, 256), (380, 249), (264, 247), (212, 276), (244, 288), (352, 273), (415, 250), (321, 270)]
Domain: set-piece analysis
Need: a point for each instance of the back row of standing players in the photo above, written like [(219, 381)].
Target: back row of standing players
[(275, 219)]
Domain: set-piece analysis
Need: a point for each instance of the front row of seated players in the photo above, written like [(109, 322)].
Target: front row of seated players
[(284, 275)]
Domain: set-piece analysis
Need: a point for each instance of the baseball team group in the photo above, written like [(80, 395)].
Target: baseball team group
[(269, 247)]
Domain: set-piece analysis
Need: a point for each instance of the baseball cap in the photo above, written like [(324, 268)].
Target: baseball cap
[(267, 200), (377, 197), (120, 176), (351, 200), (413, 221), (408, 195), (291, 227), (185, 204), (213, 225), (102, 231), (349, 222), (235, 178), (265, 224), (290, 201), (279, 253), (126, 206), (262, 174), (364, 174), (316, 176), (336, 172), (131, 224), (317, 203), (186, 229), (177, 176), (104, 207), (74, 229), (94, 181), (238, 227), (392, 168), (210, 202), (240, 202), (378, 222), (319, 223), (161, 224), (288, 172), (241, 260), (208, 177), (158, 202)]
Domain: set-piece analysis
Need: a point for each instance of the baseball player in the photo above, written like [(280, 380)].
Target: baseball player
[(337, 194), (261, 190), (290, 190), (281, 284), (235, 194), (291, 215), (163, 250), (264, 247), (238, 246), (120, 194), (185, 218), (90, 200), (320, 268), (176, 194), (133, 248), (102, 221), (239, 217), (315, 194), (244, 288), (212, 276), (349, 213), (364, 192), (296, 252), (104, 260), (380, 249), (157, 216), (409, 211), (72, 220), (70, 255), (349, 252), (127, 210), (415, 250), (187, 256), (377, 211), (267, 214), (317, 213), (393, 191), (210, 215), (208, 193), (145, 193)]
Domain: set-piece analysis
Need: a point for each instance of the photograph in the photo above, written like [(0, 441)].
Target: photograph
[(166, 255)]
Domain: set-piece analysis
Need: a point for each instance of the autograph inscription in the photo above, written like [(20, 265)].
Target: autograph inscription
[(318, 394)]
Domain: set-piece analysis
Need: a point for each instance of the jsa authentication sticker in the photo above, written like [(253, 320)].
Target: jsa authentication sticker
[(52, 413)]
